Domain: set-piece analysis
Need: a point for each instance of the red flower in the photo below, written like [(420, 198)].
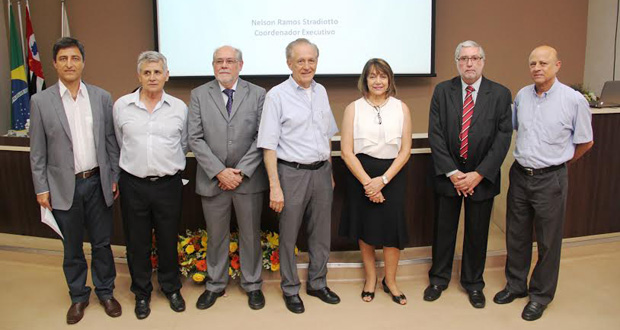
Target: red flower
[(234, 262), (154, 261), (201, 265), (275, 257)]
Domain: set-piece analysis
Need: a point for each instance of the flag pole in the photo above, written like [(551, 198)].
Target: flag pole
[(62, 17), (21, 31)]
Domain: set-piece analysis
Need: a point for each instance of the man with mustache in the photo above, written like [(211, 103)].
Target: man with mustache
[(223, 125), (469, 133), (554, 127)]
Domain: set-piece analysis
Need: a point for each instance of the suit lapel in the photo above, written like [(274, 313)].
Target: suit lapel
[(456, 96), (60, 110), (481, 101), (216, 95), (97, 112), (238, 96)]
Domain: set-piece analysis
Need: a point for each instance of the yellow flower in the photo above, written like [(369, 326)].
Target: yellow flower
[(233, 246), (203, 241), (230, 271), (189, 249), (198, 277), (273, 239), (296, 251), (275, 267)]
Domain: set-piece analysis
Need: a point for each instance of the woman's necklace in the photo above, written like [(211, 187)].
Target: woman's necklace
[(377, 109)]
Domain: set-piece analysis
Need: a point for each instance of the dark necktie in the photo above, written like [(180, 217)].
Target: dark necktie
[(229, 93), (468, 112)]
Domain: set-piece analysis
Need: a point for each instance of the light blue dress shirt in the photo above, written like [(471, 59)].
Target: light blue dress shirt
[(296, 126), (550, 125)]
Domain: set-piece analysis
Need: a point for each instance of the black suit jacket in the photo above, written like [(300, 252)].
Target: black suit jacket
[(489, 135)]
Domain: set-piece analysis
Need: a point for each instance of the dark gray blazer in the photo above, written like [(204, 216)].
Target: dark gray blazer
[(51, 147), (219, 141), (489, 135)]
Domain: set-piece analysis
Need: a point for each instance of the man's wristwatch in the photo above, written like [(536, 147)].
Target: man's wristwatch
[(385, 179)]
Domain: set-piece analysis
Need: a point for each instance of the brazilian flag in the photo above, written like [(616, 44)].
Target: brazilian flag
[(20, 99)]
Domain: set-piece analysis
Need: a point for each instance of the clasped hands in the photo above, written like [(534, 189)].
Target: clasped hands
[(373, 188), (229, 178), (464, 183)]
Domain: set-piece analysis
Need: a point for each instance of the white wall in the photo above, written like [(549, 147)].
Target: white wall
[(602, 45)]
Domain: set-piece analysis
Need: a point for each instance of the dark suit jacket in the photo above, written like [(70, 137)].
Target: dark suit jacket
[(51, 146), (219, 141), (489, 135)]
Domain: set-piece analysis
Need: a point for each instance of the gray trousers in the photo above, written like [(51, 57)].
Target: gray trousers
[(217, 210), (308, 196), (535, 203)]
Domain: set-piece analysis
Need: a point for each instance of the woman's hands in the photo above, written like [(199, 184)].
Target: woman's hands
[(373, 188)]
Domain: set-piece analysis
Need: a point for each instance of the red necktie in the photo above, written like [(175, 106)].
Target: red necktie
[(468, 112)]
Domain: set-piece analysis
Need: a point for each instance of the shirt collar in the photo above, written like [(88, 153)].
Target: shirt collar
[(234, 86), (63, 89), (296, 86), (553, 88), (475, 85), (135, 99)]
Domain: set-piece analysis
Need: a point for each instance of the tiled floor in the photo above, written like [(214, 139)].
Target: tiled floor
[(35, 296)]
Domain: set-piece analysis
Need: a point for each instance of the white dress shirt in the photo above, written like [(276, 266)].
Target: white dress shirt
[(80, 117), (152, 144)]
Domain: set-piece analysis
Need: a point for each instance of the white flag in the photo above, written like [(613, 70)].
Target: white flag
[(65, 22)]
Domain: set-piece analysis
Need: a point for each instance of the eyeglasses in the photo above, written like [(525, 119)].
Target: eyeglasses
[(228, 61), (465, 59)]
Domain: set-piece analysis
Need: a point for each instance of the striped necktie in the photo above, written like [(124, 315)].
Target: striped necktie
[(468, 112)]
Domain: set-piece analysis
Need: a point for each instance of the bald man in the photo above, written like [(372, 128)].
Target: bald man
[(554, 127)]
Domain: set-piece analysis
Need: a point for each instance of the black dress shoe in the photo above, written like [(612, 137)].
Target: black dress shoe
[(142, 309), (256, 299), (476, 298), (433, 292), (324, 294), (294, 303), (177, 303), (533, 311), (208, 298), (76, 312), (506, 297), (401, 299)]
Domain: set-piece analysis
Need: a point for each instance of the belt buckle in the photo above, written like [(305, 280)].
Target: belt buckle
[(529, 171)]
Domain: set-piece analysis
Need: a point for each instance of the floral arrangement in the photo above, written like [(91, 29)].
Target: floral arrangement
[(192, 252), (590, 96)]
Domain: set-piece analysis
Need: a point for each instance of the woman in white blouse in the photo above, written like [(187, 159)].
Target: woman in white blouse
[(376, 145)]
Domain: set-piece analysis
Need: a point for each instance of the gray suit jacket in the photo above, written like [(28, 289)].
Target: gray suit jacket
[(219, 141), (51, 147)]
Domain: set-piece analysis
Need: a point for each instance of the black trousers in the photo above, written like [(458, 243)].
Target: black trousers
[(87, 210), (535, 203), (477, 218), (148, 205)]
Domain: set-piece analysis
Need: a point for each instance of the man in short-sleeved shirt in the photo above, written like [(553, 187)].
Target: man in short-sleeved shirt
[(151, 129), (295, 131), (553, 124)]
